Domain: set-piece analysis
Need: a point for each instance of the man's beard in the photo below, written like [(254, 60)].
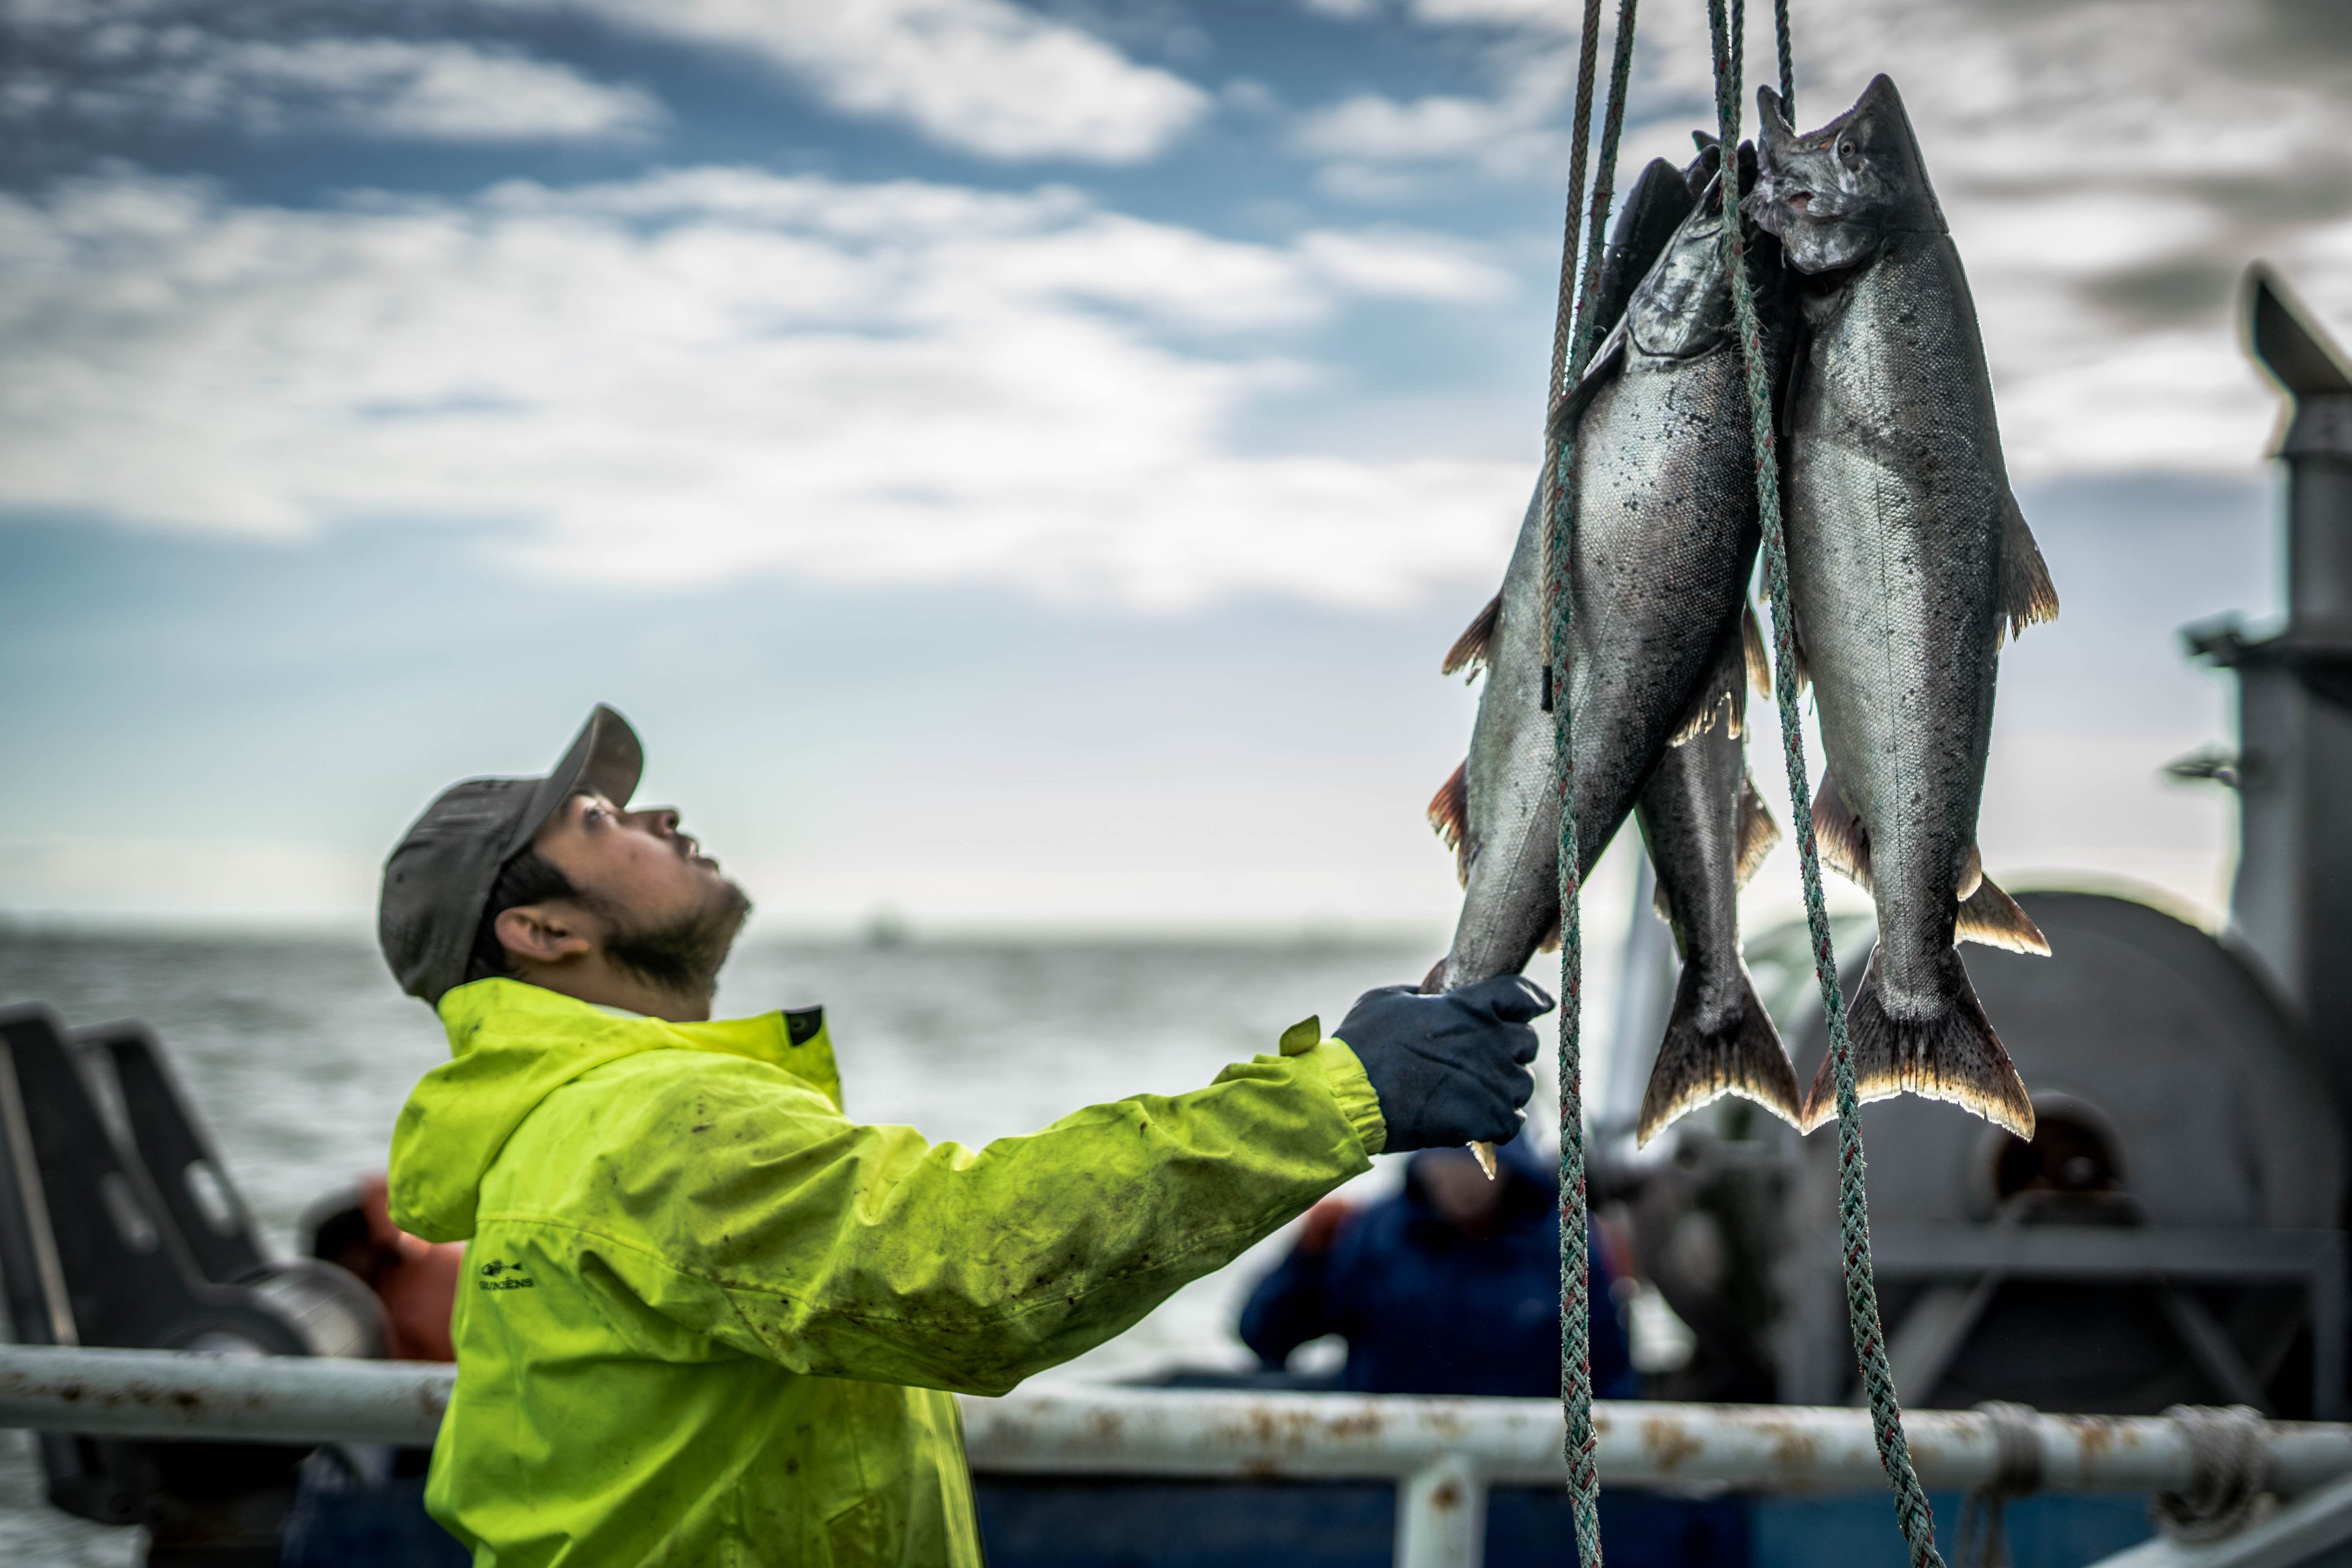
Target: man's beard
[(683, 957)]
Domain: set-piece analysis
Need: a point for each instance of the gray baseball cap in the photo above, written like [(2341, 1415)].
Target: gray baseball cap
[(437, 880)]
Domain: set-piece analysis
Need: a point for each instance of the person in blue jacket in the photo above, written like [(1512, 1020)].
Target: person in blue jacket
[(1450, 1286)]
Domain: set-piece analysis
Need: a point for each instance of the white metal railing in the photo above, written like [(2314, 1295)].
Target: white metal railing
[(1441, 1454)]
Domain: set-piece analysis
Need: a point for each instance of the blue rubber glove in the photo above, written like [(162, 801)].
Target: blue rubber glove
[(1448, 1069)]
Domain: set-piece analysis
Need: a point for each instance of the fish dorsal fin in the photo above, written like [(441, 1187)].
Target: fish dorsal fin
[(1449, 813), (1470, 650), (2028, 597)]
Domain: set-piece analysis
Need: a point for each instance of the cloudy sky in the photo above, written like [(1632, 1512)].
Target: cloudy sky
[(1018, 464)]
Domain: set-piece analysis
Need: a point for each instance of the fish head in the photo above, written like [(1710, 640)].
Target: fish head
[(1683, 307), (1833, 195)]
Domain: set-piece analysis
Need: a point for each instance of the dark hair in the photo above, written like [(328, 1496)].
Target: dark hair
[(528, 878)]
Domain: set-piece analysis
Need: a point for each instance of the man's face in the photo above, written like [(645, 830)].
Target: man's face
[(661, 908), (634, 863)]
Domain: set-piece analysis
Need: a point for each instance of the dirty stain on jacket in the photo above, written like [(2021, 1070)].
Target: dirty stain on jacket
[(708, 1319)]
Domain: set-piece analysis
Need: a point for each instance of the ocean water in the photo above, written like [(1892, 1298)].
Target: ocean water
[(297, 1053)]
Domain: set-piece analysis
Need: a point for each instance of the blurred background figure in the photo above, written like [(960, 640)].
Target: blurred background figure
[(1450, 1286), (415, 1280)]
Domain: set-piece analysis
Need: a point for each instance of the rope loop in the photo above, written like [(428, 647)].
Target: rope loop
[(2230, 1448), (1983, 1539)]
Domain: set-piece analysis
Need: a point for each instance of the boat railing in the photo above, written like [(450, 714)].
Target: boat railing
[(1441, 1454)]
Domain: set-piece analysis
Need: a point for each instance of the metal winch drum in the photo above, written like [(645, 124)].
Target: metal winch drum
[(2164, 1238)]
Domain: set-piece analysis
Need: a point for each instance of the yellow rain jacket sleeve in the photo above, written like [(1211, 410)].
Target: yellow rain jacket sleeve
[(708, 1319)]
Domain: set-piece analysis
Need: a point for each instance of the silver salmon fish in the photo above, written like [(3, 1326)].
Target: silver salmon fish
[(1707, 832), (1665, 539), (1908, 564)]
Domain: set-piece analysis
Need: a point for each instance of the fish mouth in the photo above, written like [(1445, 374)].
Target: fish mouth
[(1806, 202)]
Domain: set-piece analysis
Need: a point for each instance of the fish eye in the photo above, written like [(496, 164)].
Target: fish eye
[(1846, 149)]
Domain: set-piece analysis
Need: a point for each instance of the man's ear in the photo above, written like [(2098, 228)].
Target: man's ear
[(543, 933)]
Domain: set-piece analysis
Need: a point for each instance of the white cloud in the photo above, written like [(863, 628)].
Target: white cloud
[(718, 371), (1377, 128), (985, 76), (141, 68), (2109, 168)]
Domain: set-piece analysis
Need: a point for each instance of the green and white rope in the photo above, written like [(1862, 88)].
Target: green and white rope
[(1573, 333), (1911, 1510)]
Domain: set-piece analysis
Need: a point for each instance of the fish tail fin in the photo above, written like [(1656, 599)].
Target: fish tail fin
[(1991, 917), (1470, 649), (1449, 813), (1955, 1057), (2028, 595), (1840, 834), (1758, 832), (1697, 1065), (1754, 650), (1433, 983)]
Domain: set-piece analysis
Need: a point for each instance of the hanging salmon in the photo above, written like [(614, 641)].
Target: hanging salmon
[(1908, 564), (1666, 535), (1707, 832)]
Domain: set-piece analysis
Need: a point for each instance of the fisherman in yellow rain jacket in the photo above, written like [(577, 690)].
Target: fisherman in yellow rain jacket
[(707, 1319)]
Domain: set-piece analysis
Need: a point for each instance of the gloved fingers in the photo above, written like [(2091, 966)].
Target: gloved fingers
[(1511, 998), (1497, 1121), (1379, 990)]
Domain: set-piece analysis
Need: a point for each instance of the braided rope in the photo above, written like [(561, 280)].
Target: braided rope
[(1573, 331), (1911, 1510), (1788, 62)]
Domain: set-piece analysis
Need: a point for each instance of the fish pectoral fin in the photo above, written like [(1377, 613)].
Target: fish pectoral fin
[(1601, 369), (2028, 597), (1991, 917), (1957, 1058), (1758, 832), (1471, 650), (1449, 813), (1697, 1066), (1840, 835)]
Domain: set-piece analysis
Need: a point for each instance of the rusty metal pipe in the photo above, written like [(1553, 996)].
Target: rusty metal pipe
[(172, 1393), (1754, 1448), (1077, 1430)]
